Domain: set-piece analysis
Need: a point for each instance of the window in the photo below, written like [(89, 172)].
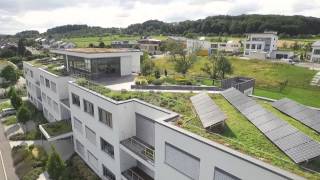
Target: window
[(77, 124), (41, 80), (220, 174), (53, 87), (316, 52), (182, 161), (47, 83), (259, 46), (247, 46), (55, 106), (107, 173), (106, 147), (80, 148), (91, 135), (31, 73), (88, 107), (49, 101), (44, 97), (105, 117), (92, 160), (75, 99), (253, 46)]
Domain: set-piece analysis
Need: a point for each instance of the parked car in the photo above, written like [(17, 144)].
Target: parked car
[(8, 112)]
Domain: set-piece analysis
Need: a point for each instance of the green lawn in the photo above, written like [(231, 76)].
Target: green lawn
[(10, 120), (85, 41), (4, 105), (268, 75)]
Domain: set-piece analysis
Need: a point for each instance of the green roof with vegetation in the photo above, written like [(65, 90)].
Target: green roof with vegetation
[(57, 128), (54, 67), (239, 133)]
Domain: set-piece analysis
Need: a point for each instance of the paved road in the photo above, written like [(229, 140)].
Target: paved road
[(6, 163)]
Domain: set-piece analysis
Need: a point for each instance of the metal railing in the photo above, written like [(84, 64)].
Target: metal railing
[(147, 151), (131, 175)]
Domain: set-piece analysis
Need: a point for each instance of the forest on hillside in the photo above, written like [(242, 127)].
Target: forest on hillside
[(214, 25)]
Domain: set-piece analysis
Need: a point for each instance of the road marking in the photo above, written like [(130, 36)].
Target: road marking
[(4, 170)]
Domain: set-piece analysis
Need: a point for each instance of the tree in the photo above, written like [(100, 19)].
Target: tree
[(217, 66), (21, 47), (23, 115), (10, 74), (16, 100), (12, 90), (102, 45), (223, 66), (147, 65), (210, 67), (55, 165), (181, 58), (91, 45)]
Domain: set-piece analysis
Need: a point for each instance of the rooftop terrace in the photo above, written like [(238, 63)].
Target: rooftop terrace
[(239, 133), (54, 66)]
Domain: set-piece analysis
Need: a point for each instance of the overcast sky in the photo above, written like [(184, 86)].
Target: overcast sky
[(18, 15)]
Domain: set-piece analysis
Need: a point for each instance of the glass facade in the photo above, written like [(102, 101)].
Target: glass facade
[(95, 68)]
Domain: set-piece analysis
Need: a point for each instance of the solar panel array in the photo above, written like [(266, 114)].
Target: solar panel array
[(208, 112), (309, 117), (290, 140)]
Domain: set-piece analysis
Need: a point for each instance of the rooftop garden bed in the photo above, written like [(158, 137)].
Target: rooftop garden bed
[(57, 128), (54, 66), (239, 133)]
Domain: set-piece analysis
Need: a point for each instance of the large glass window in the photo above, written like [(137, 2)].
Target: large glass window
[(107, 173), (47, 83), (75, 99), (105, 117), (79, 63), (88, 107), (106, 147), (106, 65)]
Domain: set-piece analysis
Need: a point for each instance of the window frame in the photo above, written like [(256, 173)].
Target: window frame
[(106, 147), (106, 173), (72, 99), (88, 109), (108, 116)]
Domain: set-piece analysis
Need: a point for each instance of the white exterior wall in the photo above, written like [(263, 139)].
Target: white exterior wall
[(193, 44), (315, 57), (273, 44), (61, 91), (211, 154), (125, 65)]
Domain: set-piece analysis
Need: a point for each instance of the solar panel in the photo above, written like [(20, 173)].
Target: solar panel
[(208, 112), (309, 117), (292, 142)]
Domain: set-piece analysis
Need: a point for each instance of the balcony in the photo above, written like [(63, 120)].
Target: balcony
[(136, 173), (140, 148), (56, 130)]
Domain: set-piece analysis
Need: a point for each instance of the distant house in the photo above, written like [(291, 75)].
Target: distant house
[(260, 45), (315, 55), (124, 44), (152, 46), (66, 45), (230, 46)]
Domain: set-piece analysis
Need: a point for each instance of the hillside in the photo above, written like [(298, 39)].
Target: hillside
[(298, 26)]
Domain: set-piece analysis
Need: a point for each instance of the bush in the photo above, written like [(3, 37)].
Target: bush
[(141, 81), (183, 81), (24, 167), (150, 79), (19, 153), (33, 174), (157, 82), (77, 169)]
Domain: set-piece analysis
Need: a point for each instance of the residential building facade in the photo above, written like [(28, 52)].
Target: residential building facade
[(151, 46), (315, 55), (260, 45)]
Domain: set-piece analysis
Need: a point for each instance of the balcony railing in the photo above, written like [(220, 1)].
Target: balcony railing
[(143, 150), (136, 173)]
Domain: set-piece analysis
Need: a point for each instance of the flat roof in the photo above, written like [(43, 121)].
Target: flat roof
[(96, 50)]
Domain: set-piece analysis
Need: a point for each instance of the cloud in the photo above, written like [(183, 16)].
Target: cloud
[(18, 15)]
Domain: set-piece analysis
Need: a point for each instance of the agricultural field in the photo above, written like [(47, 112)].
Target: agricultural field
[(83, 42), (268, 77)]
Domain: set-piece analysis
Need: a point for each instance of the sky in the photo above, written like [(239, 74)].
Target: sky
[(19, 15)]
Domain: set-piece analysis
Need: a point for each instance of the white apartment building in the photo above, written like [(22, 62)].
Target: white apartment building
[(315, 56), (260, 45), (134, 140)]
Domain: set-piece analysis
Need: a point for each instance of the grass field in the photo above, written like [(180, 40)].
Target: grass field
[(268, 75), (83, 42)]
